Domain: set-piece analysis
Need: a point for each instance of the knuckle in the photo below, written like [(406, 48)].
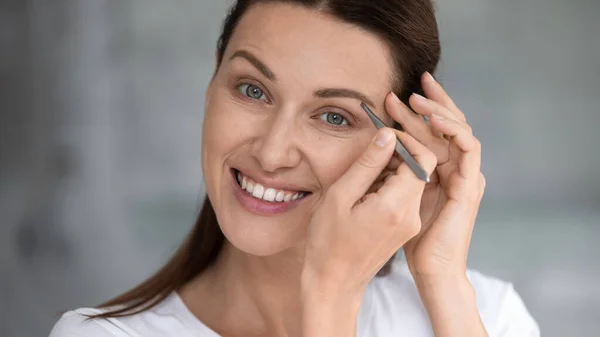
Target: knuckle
[(393, 179), (466, 126), (473, 144), (398, 217), (387, 208), (391, 212), (413, 228)]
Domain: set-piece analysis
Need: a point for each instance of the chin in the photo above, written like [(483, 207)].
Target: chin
[(261, 238)]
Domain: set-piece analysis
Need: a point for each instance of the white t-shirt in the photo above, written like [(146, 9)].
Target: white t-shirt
[(391, 306)]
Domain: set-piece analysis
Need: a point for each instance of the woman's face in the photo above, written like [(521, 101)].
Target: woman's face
[(283, 120)]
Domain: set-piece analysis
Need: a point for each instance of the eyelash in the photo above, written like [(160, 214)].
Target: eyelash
[(347, 117)]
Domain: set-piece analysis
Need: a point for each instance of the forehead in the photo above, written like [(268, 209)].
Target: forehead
[(314, 47)]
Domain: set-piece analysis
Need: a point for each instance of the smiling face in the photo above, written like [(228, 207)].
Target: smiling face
[(283, 120)]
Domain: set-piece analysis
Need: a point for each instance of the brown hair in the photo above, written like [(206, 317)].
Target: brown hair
[(409, 29)]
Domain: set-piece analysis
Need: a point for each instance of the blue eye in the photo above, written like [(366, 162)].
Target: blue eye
[(334, 118), (252, 91)]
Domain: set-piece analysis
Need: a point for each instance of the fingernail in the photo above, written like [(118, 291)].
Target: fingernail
[(429, 77), (419, 97), (396, 97), (384, 137)]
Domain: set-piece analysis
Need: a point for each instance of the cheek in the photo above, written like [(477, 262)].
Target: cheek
[(222, 135), (223, 130)]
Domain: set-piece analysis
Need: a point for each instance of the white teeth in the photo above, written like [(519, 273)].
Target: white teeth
[(258, 191), (279, 197), (270, 194)]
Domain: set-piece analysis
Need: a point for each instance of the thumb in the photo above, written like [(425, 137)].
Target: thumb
[(363, 172)]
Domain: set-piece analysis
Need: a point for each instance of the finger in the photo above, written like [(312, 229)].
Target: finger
[(388, 171), (362, 173), (428, 107), (423, 155), (416, 126), (411, 122), (404, 175), (470, 162), (395, 161), (434, 90), (438, 145)]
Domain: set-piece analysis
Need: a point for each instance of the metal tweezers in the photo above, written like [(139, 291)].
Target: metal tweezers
[(400, 149)]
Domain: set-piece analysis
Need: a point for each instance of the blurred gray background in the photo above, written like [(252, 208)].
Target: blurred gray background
[(100, 118)]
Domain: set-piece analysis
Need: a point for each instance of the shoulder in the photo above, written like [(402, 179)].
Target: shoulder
[(500, 306), (76, 323), (169, 317)]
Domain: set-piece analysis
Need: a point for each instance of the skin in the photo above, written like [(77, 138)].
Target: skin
[(304, 271)]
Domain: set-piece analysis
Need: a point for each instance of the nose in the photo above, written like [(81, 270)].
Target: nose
[(276, 147)]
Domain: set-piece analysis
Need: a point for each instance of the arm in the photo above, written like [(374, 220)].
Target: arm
[(437, 255), (328, 312), (451, 306), (353, 233)]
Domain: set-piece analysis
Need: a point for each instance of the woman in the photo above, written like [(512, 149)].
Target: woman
[(307, 204)]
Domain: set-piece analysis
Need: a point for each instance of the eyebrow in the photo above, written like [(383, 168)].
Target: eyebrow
[(321, 93), (340, 92), (256, 63)]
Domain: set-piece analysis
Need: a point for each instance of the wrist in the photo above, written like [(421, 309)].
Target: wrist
[(328, 309), (451, 305), (442, 284), (329, 294), (330, 285)]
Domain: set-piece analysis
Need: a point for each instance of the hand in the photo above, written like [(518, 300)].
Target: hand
[(353, 233), (451, 200)]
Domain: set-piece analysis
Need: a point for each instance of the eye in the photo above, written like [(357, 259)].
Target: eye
[(334, 118), (252, 91)]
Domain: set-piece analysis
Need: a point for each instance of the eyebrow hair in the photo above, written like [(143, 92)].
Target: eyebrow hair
[(255, 62), (321, 93), (340, 92)]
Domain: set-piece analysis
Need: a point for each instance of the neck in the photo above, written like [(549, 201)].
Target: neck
[(242, 294)]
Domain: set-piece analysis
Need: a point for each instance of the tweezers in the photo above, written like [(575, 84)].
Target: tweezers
[(400, 149)]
